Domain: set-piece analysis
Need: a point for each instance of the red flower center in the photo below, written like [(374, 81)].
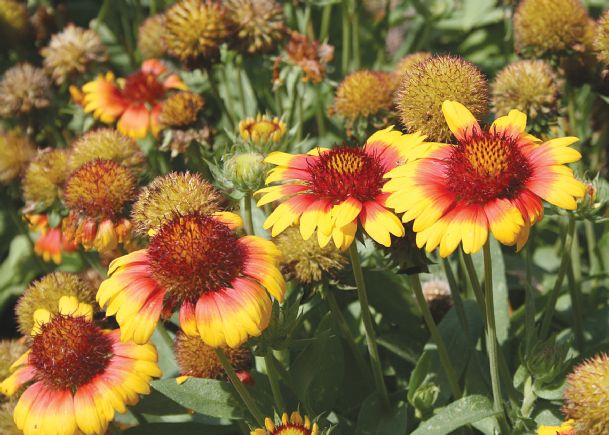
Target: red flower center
[(487, 165), (343, 172), (100, 188), (69, 352), (141, 87), (194, 254)]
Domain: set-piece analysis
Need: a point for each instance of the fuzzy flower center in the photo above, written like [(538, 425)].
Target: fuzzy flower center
[(69, 352), (194, 254), (343, 172), (487, 165), (141, 87), (100, 188)]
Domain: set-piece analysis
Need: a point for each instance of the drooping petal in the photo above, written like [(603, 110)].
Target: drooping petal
[(134, 122), (459, 119)]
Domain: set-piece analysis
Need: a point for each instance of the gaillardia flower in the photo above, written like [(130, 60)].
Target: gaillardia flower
[(331, 189), (586, 396), (196, 359), (262, 129), (134, 101), (96, 195), (23, 89), (311, 56), (197, 262), (46, 293), (431, 82), (16, 151), (565, 428), (259, 24), (545, 27), (81, 374), (51, 242), (193, 30), (294, 425), (71, 51), (492, 179)]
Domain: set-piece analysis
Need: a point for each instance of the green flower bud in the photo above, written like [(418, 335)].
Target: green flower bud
[(246, 171)]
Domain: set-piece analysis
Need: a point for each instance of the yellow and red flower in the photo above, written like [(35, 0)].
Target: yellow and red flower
[(197, 262), (135, 101), (565, 428), (294, 425), (331, 189), (493, 179), (96, 195), (51, 242), (81, 373)]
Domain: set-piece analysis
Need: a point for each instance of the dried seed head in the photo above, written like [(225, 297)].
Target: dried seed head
[(16, 151), (46, 293), (23, 89), (171, 195), (543, 27), (71, 52), (260, 24), (364, 93), (181, 109), (530, 86), (430, 83), (45, 176), (586, 396), (304, 260), (150, 37)]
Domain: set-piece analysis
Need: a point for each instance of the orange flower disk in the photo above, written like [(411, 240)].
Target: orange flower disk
[(492, 179), (134, 101), (331, 189), (198, 263)]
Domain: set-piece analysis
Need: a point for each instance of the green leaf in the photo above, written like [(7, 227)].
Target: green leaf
[(467, 410), (318, 373), (205, 396), (374, 420)]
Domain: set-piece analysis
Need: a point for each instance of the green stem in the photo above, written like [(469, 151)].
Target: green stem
[(377, 369), (491, 338), (300, 114), (573, 282), (346, 37), (294, 97), (275, 388), (473, 278), (326, 18), (562, 270), (355, 35), (344, 330), (415, 283), (246, 397), (529, 301), (249, 220)]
